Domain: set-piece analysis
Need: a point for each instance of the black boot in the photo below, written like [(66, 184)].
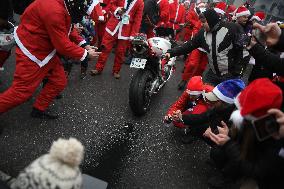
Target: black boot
[(181, 85), (36, 113)]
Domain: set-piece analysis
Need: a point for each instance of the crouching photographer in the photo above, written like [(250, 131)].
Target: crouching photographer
[(252, 148)]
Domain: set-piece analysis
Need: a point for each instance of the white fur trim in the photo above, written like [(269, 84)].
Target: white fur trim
[(115, 13), (177, 13), (237, 119), (101, 18), (237, 102), (84, 55), (255, 17), (220, 11), (195, 92), (82, 42), (243, 13), (69, 151), (222, 97), (92, 6), (30, 55)]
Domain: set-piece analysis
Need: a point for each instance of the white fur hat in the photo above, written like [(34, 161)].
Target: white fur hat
[(59, 169)]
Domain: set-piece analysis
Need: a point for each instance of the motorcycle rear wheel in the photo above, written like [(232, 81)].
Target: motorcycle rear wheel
[(139, 92)]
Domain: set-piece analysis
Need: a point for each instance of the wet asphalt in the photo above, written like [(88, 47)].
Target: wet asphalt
[(126, 151)]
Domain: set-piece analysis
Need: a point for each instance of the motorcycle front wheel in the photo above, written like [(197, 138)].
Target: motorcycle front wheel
[(139, 92)]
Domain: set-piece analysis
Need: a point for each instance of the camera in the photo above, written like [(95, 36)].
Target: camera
[(265, 127), (243, 40)]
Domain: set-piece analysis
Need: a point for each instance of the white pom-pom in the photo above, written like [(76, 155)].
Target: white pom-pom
[(237, 118), (69, 151)]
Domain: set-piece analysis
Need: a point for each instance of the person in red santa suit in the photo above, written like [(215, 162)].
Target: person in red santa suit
[(191, 101), (102, 21), (230, 12), (44, 33), (164, 17), (122, 26), (187, 27), (197, 60), (220, 8), (177, 17)]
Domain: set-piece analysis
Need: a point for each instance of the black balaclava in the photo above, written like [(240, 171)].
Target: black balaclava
[(212, 18)]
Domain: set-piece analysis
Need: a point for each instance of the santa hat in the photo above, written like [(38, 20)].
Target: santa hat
[(231, 9), (226, 91), (195, 86), (59, 169), (255, 100), (220, 8), (259, 16), (242, 11)]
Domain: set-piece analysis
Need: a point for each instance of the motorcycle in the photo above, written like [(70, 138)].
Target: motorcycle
[(154, 70)]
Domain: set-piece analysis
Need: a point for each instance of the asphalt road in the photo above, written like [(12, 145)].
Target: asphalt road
[(126, 151)]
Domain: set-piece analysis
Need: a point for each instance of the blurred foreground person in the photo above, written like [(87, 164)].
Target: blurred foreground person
[(252, 149), (58, 169), (45, 31)]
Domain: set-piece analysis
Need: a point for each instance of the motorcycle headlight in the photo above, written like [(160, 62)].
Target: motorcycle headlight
[(139, 49)]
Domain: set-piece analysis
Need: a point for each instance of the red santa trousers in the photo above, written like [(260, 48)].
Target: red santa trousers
[(196, 64), (4, 55), (28, 76), (100, 31), (121, 46)]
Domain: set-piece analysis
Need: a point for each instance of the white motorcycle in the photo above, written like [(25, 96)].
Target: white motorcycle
[(153, 70)]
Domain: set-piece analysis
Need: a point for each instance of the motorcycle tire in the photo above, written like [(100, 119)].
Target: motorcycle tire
[(139, 96)]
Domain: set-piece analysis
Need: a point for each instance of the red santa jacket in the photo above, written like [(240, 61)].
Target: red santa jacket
[(200, 106), (134, 11), (177, 15), (164, 12), (96, 12), (45, 29)]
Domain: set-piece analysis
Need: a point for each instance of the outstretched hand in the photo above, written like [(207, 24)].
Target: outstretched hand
[(272, 32)]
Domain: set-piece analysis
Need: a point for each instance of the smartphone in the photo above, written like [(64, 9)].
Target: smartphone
[(265, 127)]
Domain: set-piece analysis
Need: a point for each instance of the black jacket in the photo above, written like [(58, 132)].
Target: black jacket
[(212, 117), (221, 45), (268, 60)]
